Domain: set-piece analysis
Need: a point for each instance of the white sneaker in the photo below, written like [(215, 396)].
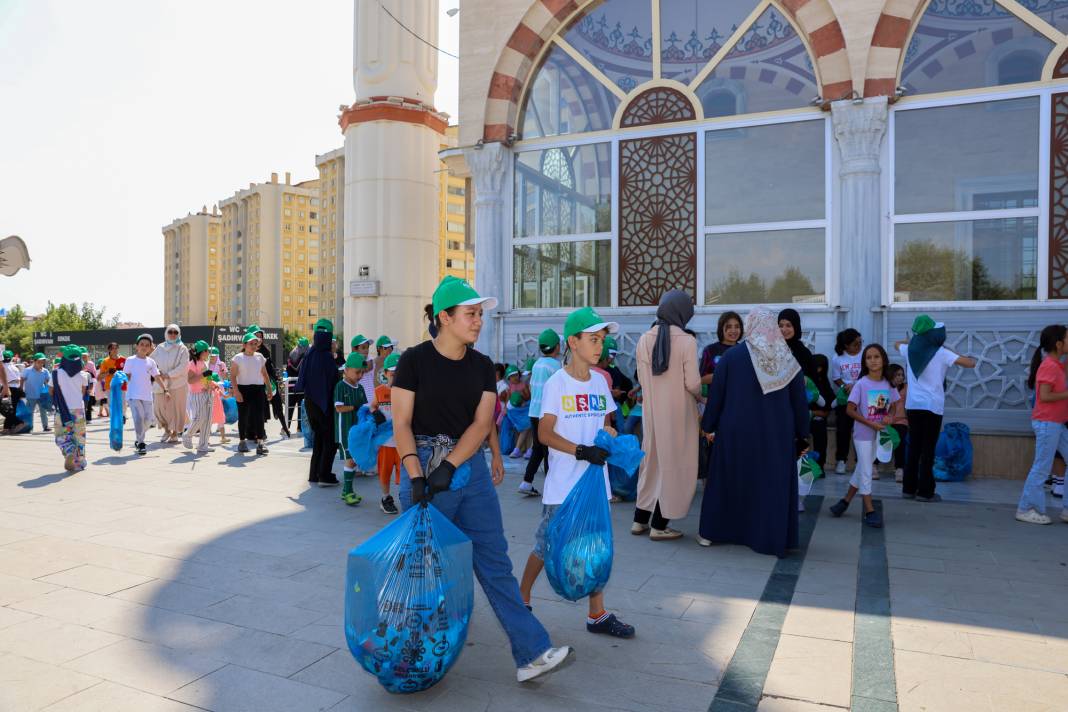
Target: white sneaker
[(1033, 517), (187, 444), (637, 529), (704, 542), (549, 661), (899, 475), (839, 469)]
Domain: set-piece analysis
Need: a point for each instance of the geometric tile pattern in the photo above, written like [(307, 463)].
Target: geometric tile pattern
[(1058, 198), (659, 105), (999, 379)]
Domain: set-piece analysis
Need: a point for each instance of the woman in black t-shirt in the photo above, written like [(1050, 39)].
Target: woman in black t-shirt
[(443, 398)]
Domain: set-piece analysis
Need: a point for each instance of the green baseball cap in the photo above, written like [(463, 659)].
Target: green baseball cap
[(922, 324), (71, 351), (200, 346), (611, 345), (250, 336), (456, 292), (252, 328), (324, 325), (38, 356), (8, 353), (549, 339), (302, 341), (56, 360), (528, 365), (510, 371), (390, 364), (586, 320), (359, 340), (384, 342), (355, 360), (213, 350)]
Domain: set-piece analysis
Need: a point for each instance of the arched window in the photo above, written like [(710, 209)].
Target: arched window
[(631, 197)]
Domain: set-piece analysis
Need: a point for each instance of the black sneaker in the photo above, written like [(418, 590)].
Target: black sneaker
[(387, 506), (611, 626), (242, 446), (285, 431), (873, 519), (933, 498), (839, 508), (141, 448), (261, 449)]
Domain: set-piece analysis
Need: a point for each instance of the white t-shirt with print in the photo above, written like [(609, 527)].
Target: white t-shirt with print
[(71, 387), (926, 391), (845, 367), (139, 370), (580, 408)]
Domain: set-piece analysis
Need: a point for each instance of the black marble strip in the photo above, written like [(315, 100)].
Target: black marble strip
[(743, 680), (874, 681)]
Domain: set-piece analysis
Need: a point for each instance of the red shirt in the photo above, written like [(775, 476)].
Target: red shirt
[(1050, 371)]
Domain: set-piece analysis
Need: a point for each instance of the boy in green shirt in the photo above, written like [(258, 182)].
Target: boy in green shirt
[(348, 397)]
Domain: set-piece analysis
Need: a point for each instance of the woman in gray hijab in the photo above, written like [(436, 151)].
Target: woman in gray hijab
[(671, 387)]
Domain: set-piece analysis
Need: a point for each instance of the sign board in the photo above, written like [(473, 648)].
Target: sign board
[(363, 288)]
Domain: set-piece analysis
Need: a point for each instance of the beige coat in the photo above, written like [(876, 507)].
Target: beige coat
[(670, 425)]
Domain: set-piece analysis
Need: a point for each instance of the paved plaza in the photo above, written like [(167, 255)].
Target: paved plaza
[(171, 582)]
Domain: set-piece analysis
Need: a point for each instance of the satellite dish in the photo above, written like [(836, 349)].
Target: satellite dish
[(13, 255)]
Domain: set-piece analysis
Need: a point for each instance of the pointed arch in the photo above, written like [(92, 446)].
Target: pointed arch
[(532, 36)]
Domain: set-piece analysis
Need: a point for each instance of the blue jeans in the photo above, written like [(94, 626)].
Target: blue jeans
[(475, 510), (1049, 438), (37, 404), (630, 424)]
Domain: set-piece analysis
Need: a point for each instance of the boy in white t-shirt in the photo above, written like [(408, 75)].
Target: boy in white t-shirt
[(141, 369), (575, 404)]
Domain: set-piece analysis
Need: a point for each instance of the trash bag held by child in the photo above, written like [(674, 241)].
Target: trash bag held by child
[(953, 453), (305, 427), (408, 600), (230, 410), (23, 413), (116, 399), (508, 436), (623, 477), (578, 545), (519, 416), (366, 437)]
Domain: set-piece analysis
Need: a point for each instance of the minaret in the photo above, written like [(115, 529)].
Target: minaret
[(392, 137)]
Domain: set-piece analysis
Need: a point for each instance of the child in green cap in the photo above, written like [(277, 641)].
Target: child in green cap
[(576, 404), (388, 459), (384, 346), (547, 364), (248, 372), (348, 397), (201, 394), (140, 368), (362, 345)]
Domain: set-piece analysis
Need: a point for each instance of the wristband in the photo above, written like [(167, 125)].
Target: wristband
[(411, 454)]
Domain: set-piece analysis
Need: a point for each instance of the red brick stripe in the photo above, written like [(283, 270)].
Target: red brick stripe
[(560, 8), (525, 41), (794, 5), (891, 31), (827, 39), (504, 87), (838, 90)]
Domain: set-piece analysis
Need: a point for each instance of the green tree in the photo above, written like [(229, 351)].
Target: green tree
[(17, 331), (791, 283), (289, 341), (735, 289)]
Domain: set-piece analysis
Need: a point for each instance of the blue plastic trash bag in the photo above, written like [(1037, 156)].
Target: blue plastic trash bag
[(23, 413), (578, 544), (117, 406), (953, 453), (230, 410), (508, 437), (408, 600), (366, 437), (519, 417), (305, 428), (626, 455)]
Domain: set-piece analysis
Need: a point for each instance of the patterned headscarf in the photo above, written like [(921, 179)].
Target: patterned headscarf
[(775, 366)]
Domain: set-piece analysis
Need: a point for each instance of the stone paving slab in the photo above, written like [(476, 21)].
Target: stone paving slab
[(172, 582)]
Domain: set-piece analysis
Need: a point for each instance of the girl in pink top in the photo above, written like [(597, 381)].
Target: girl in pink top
[(1048, 416), (201, 392)]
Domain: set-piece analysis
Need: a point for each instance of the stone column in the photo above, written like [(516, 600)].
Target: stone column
[(490, 167), (859, 129), (392, 138)]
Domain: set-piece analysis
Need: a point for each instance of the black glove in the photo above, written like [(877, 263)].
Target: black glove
[(206, 373), (378, 417), (591, 454), (420, 493), (440, 479)]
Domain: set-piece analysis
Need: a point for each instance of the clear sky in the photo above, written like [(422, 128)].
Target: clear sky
[(118, 116)]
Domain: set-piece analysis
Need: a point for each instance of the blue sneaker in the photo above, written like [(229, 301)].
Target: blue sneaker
[(839, 508), (611, 626), (873, 519)]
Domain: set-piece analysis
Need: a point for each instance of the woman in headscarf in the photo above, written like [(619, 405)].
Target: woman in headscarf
[(170, 390), (757, 413), (927, 362), (790, 328), (671, 386), (292, 371), (316, 380)]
